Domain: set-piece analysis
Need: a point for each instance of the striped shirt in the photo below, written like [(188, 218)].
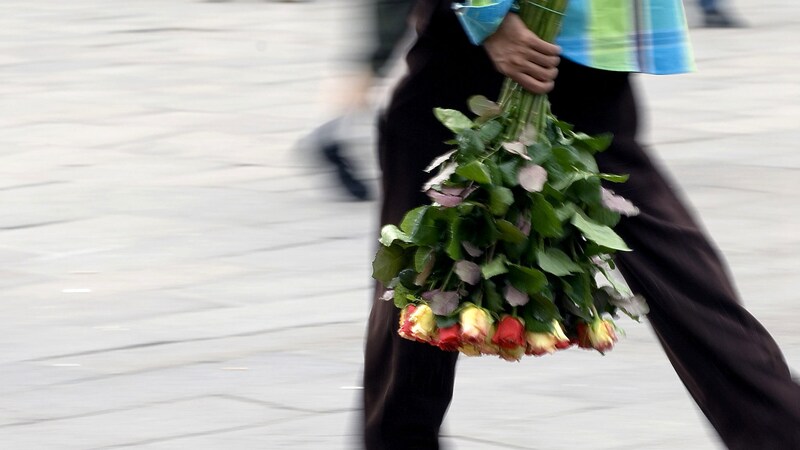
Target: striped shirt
[(648, 36)]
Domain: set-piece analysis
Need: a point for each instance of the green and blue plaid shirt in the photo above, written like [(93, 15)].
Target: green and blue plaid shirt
[(648, 36), (627, 35)]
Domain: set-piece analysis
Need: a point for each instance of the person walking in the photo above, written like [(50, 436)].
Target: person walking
[(389, 23), (728, 362)]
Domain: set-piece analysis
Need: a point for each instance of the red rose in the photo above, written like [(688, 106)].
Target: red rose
[(510, 333), (450, 338)]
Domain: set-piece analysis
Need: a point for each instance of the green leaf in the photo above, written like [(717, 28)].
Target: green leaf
[(407, 278), (588, 190), (539, 314), (388, 262), (402, 296), (553, 260), (390, 233), (494, 301), (412, 219), (544, 219), (494, 267), (446, 321), (566, 211), (425, 259), (620, 286), (540, 153), (570, 157), (475, 171), (614, 178), (596, 143), (421, 257), (510, 233), (603, 216), (494, 172), (500, 198), (453, 248), (600, 234), (526, 279), (483, 231), (453, 120), (490, 130), (508, 172), (579, 290), (424, 230), (470, 143)]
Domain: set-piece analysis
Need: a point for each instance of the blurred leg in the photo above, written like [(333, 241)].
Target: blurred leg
[(728, 362)]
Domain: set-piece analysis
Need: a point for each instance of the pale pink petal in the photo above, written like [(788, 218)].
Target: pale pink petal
[(471, 249), (532, 177), (517, 148), (446, 200), (439, 160), (468, 271), (443, 175), (444, 303), (528, 135), (618, 204), (515, 297)]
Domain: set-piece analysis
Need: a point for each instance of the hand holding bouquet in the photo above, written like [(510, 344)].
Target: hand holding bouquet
[(514, 254)]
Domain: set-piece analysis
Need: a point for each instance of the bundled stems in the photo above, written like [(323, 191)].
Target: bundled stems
[(543, 18)]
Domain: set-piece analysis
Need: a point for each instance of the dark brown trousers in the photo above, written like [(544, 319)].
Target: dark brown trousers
[(731, 366)]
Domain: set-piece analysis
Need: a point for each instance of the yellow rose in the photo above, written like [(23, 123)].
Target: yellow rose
[(540, 343), (476, 325), (423, 323), (562, 341), (599, 335), (470, 350)]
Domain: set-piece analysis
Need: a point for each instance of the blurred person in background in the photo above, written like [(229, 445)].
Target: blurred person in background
[(728, 362), (715, 16), (330, 140)]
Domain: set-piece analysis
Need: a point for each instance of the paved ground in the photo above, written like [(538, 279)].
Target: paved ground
[(174, 276)]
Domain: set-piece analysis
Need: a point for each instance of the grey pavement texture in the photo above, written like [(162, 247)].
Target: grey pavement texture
[(174, 275)]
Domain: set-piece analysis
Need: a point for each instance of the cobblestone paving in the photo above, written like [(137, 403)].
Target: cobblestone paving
[(175, 275)]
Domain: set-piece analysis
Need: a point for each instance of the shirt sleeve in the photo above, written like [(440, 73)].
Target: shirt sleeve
[(481, 21)]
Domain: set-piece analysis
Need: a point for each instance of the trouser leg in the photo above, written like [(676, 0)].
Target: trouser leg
[(407, 385), (727, 360)]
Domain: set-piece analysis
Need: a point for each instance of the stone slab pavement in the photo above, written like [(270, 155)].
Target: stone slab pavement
[(175, 275)]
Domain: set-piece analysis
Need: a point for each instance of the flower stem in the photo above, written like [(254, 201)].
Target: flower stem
[(543, 17)]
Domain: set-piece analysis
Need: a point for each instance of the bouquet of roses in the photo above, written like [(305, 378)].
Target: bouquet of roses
[(514, 254)]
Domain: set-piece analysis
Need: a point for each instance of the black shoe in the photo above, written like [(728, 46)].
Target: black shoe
[(354, 186), (719, 19)]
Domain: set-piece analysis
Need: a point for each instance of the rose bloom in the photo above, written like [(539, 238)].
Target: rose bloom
[(405, 323), (488, 347), (510, 333), (512, 354), (562, 341), (599, 335), (476, 325), (470, 349), (540, 343), (423, 323), (450, 338)]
